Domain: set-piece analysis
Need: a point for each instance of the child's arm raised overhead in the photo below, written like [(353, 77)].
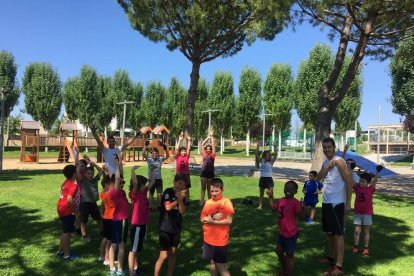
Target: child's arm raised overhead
[(213, 143), (145, 149), (177, 145), (118, 165), (93, 164), (128, 142), (346, 147), (134, 179), (188, 144), (167, 154), (204, 144), (375, 180)]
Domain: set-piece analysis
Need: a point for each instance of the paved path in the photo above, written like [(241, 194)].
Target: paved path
[(403, 185)]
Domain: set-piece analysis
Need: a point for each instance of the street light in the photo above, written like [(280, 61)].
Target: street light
[(263, 115), (123, 121), (209, 116), (2, 95)]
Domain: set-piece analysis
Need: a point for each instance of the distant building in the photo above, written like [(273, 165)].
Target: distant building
[(392, 138)]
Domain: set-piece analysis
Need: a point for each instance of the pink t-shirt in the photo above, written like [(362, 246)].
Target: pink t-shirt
[(363, 200), (140, 207), (287, 209), (120, 201), (182, 165)]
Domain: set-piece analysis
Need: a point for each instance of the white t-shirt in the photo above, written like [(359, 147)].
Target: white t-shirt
[(108, 154), (333, 184), (266, 169)]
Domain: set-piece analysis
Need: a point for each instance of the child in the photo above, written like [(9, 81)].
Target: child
[(182, 165), (266, 179), (68, 211), (119, 224), (311, 189), (207, 170), (107, 215), (363, 208), (216, 217), (351, 164), (288, 208), (172, 208), (140, 216), (156, 161), (88, 206)]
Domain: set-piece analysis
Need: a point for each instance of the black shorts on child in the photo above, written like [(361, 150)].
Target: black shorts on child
[(119, 231), (106, 228), (89, 208), (216, 253), (157, 186), (168, 240), (68, 223), (138, 233), (288, 244), (207, 174), (266, 182)]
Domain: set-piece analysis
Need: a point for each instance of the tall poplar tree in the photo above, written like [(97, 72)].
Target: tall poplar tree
[(153, 104), (8, 81)]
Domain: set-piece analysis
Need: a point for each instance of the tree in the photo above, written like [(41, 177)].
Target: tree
[(8, 82), (71, 98), (153, 104), (124, 91), (136, 114), (222, 98), (249, 102), (402, 74), (277, 98), (175, 108), (106, 111), (374, 26), (43, 93), (205, 30), (201, 118)]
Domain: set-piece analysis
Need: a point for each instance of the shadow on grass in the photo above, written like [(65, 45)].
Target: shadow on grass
[(14, 175)]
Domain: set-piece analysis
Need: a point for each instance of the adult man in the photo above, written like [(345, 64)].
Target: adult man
[(336, 201), (111, 150)]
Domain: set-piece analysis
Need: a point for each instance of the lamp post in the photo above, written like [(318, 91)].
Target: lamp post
[(263, 116), (209, 116), (2, 95), (123, 121)]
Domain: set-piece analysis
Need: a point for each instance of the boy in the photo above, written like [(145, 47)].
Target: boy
[(88, 206), (172, 208), (68, 211), (311, 189), (363, 209), (216, 217), (288, 208), (107, 215), (155, 161), (182, 164)]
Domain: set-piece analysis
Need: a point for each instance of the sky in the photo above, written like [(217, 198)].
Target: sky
[(69, 34)]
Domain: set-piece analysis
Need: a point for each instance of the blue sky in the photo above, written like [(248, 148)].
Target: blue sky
[(68, 34)]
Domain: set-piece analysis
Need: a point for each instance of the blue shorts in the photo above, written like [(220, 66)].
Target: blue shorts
[(119, 231), (309, 204), (68, 223), (138, 233), (288, 244)]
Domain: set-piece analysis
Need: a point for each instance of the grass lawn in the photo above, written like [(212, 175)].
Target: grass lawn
[(30, 229)]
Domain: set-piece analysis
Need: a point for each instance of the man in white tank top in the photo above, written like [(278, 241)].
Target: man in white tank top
[(337, 182)]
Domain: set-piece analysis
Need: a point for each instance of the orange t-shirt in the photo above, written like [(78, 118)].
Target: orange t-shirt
[(109, 207), (217, 235)]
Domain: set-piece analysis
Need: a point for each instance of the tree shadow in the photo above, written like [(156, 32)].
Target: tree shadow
[(13, 175)]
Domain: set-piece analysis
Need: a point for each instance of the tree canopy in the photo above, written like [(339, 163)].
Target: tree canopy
[(8, 82)]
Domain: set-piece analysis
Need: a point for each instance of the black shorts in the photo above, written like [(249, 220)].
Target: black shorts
[(313, 205), (188, 181), (333, 218), (288, 244), (168, 240), (157, 186), (89, 208), (207, 174), (216, 253), (68, 223), (138, 233), (266, 182), (106, 228), (119, 231)]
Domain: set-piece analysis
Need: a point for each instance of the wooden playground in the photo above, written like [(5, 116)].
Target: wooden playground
[(70, 140)]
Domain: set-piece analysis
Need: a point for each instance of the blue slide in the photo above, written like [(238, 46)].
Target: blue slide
[(366, 164)]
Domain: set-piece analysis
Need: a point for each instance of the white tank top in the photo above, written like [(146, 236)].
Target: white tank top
[(266, 169), (333, 184)]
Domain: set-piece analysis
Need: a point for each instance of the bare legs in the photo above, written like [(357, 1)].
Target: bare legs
[(262, 190), (337, 248), (218, 269), (357, 233), (171, 255), (64, 244), (204, 187), (286, 261)]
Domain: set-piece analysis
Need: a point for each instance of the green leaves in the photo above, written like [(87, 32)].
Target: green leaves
[(8, 82), (43, 95), (153, 104)]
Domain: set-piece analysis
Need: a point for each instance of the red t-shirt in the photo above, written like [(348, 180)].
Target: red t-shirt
[(217, 235), (120, 201), (69, 188), (288, 209), (140, 207), (363, 200), (181, 164)]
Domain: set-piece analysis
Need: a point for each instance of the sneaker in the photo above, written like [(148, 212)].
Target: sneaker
[(112, 272), (336, 271), (100, 259), (310, 222), (86, 238), (355, 250), (71, 257), (121, 273), (60, 254), (105, 263), (328, 261), (365, 252)]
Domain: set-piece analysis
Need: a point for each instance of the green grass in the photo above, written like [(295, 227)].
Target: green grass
[(14, 152), (30, 229)]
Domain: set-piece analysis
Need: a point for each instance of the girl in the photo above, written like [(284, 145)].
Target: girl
[(207, 169), (182, 164), (266, 179)]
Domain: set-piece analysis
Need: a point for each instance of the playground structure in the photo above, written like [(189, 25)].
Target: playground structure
[(29, 151)]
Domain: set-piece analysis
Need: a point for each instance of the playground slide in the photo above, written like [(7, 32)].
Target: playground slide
[(367, 165), (73, 151)]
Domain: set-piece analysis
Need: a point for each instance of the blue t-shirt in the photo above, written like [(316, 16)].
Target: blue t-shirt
[(311, 186)]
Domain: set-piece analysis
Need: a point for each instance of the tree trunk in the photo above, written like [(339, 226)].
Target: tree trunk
[(273, 139), (323, 130), (247, 142), (304, 140), (221, 142), (47, 135), (199, 147), (279, 151), (192, 95)]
